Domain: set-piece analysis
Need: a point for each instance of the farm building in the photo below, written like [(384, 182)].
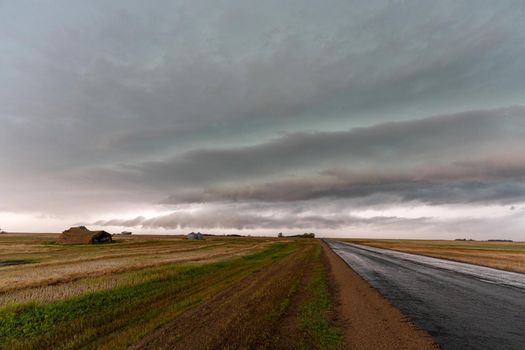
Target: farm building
[(194, 236), (125, 233), (81, 235)]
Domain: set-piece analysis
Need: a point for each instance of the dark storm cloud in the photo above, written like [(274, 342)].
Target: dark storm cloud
[(471, 156), (101, 82), (110, 106), (426, 192)]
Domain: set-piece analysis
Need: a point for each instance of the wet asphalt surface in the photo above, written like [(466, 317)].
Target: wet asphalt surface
[(462, 306)]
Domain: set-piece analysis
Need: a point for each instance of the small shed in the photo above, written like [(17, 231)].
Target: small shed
[(194, 236), (81, 235)]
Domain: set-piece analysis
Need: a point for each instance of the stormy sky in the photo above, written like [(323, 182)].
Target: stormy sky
[(345, 118)]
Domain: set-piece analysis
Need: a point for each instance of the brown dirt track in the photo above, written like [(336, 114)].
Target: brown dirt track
[(243, 316), (371, 321)]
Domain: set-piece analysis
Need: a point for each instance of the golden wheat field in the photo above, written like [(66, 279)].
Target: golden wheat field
[(121, 294), (502, 255)]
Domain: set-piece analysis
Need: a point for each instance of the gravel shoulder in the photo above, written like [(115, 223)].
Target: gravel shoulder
[(371, 322)]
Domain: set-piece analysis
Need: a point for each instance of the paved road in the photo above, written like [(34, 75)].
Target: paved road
[(462, 306)]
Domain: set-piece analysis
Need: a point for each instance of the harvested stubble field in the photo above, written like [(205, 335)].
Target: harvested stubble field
[(155, 292), (502, 255)]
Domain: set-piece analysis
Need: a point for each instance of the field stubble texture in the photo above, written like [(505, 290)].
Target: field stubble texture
[(73, 305), (286, 305), (501, 255)]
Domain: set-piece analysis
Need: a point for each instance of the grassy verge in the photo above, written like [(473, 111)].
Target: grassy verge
[(118, 317), (315, 321)]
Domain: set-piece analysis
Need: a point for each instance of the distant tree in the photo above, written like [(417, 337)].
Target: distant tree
[(280, 234), (305, 235)]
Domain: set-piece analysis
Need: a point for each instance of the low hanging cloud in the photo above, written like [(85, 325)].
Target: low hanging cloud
[(450, 140), (458, 140), (467, 157), (464, 182), (241, 218), (233, 218), (424, 192)]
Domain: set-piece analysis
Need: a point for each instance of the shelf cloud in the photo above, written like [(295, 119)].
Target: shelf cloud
[(250, 115)]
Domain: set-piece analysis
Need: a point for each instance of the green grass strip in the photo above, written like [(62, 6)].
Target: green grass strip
[(314, 321), (75, 322)]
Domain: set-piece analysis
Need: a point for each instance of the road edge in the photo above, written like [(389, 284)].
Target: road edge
[(370, 320)]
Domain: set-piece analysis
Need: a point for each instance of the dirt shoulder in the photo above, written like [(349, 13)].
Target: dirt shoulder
[(371, 322)]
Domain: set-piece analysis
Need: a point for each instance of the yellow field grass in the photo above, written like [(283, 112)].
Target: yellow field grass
[(502, 255), (63, 271), (112, 296)]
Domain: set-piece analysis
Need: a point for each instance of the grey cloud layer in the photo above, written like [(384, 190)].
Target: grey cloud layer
[(114, 106), (244, 218), (99, 82), (471, 156), (300, 190)]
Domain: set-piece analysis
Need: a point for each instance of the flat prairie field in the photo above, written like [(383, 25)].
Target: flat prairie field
[(501, 255), (157, 292)]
